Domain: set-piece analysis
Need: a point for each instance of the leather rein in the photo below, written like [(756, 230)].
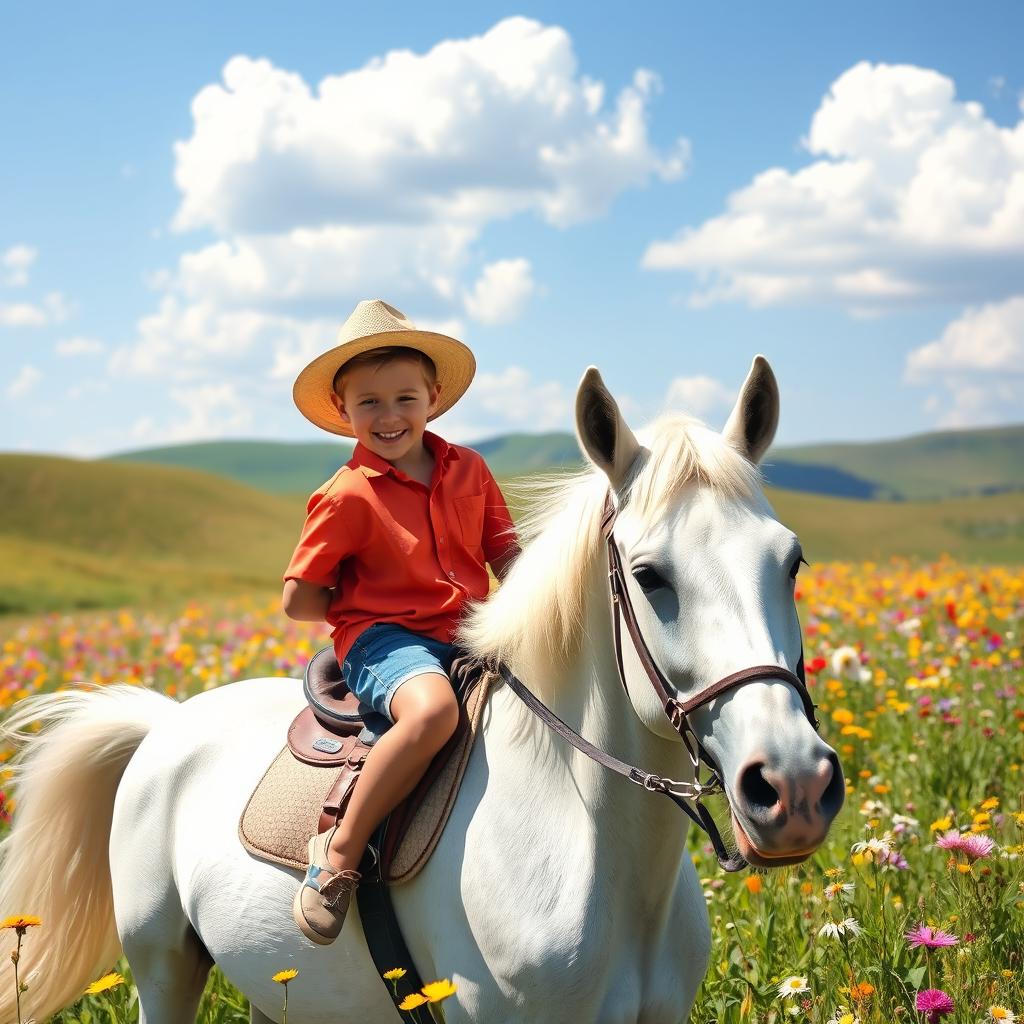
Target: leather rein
[(686, 795)]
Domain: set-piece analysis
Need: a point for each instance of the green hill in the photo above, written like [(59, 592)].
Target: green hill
[(947, 464), (94, 534), (77, 534), (925, 467)]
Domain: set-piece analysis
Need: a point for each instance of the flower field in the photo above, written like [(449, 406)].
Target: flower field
[(914, 908)]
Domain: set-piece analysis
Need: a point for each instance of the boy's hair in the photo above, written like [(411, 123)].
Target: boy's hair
[(378, 357)]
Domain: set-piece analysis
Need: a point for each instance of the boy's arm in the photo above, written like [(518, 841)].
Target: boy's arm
[(306, 602), (501, 546)]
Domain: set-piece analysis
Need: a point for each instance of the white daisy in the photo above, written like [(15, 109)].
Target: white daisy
[(793, 986)]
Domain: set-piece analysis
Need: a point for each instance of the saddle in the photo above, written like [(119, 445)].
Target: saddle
[(308, 785)]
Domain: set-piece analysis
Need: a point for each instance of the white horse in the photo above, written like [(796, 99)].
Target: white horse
[(558, 890)]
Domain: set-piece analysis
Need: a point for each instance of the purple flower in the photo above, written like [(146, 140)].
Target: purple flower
[(934, 1004), (931, 938), (976, 846)]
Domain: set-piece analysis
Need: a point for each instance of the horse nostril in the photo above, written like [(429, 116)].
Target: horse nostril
[(758, 791), (835, 792)]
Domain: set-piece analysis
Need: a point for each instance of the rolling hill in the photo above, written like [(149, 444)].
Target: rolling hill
[(79, 534), (924, 467)]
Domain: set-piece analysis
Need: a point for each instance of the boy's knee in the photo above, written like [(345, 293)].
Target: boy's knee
[(429, 710)]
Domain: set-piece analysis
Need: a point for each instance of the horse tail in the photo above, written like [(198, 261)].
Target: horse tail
[(54, 863)]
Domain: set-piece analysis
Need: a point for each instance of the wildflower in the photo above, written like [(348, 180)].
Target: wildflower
[(990, 804), (861, 990), (846, 664), (1002, 1014), (974, 847), (934, 1004), (931, 938), (753, 884), (874, 848), (838, 889), (837, 928), (20, 923), (394, 974), (108, 981), (793, 986), (844, 1016), (411, 1001), (435, 991), (283, 977)]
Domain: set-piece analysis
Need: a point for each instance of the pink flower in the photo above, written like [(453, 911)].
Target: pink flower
[(950, 841), (976, 846), (934, 1004), (931, 938), (973, 846)]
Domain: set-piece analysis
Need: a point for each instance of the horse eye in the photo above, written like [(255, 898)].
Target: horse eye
[(648, 578), (796, 566)]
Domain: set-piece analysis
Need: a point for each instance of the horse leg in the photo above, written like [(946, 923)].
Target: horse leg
[(170, 972)]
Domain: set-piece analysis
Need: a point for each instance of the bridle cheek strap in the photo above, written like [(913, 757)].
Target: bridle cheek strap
[(678, 711)]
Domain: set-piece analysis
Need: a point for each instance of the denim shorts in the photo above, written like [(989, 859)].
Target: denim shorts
[(384, 656)]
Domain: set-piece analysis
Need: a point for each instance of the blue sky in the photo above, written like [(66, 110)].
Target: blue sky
[(194, 198)]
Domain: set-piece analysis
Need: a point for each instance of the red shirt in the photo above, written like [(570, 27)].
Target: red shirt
[(397, 551)]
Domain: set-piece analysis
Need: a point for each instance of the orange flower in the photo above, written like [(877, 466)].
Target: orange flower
[(753, 884)]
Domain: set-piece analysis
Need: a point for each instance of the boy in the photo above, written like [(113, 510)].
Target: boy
[(393, 547)]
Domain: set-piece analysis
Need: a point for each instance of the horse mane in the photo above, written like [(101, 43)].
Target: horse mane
[(535, 620)]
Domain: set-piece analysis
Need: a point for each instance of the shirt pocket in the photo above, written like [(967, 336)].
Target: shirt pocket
[(470, 512)]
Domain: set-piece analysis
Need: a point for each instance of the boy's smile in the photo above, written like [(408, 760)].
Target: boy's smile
[(387, 408)]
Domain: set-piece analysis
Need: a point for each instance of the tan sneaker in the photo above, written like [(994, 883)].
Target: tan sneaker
[(322, 901)]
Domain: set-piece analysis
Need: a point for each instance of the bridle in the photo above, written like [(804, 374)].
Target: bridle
[(687, 795)]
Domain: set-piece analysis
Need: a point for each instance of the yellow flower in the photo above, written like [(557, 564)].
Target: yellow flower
[(108, 981), (990, 804), (435, 991), (283, 977), (410, 1002), (941, 824), (20, 922), (1002, 1014), (394, 974)]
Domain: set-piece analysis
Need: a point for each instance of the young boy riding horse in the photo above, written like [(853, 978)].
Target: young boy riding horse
[(394, 546)]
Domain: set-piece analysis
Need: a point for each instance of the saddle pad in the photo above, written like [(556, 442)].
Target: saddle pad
[(284, 809)]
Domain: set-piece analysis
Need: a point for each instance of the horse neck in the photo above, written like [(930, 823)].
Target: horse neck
[(640, 836)]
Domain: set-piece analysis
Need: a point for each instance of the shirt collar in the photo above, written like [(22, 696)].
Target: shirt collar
[(371, 464)]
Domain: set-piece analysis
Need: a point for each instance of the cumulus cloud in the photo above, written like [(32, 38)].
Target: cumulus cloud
[(379, 182), (24, 382), (979, 361), (52, 310), (700, 396), (79, 346), (472, 130), (210, 410), (16, 262), (914, 197), (501, 292)]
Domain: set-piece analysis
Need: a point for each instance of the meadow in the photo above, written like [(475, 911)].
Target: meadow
[(913, 910)]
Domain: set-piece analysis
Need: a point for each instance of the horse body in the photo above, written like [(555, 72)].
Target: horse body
[(558, 889)]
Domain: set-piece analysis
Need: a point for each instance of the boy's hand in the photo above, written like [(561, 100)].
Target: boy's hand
[(306, 602)]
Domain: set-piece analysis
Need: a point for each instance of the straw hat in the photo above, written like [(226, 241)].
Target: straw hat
[(375, 324)]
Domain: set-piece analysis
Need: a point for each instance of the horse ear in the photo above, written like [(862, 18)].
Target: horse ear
[(751, 427), (603, 434)]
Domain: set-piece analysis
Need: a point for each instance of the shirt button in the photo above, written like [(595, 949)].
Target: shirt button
[(451, 575)]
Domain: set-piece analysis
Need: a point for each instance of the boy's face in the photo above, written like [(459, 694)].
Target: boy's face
[(387, 407)]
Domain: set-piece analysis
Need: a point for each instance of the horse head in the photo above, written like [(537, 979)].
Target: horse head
[(710, 574)]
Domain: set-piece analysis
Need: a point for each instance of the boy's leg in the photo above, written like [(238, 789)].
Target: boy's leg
[(425, 712)]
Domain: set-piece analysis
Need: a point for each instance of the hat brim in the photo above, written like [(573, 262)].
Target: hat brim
[(313, 387)]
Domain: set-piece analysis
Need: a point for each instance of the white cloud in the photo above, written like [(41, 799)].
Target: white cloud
[(211, 411), (979, 361), (53, 310), (472, 130), (986, 340), (16, 261), (501, 292), (79, 346), (913, 197), (699, 396), (24, 382)]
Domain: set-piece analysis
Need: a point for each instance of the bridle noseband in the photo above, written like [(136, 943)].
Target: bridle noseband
[(687, 795)]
